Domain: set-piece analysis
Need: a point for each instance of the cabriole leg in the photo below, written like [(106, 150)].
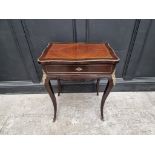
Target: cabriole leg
[(108, 88), (59, 87), (51, 93), (97, 86)]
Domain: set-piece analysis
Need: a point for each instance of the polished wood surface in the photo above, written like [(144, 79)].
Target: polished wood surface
[(77, 52), (78, 61)]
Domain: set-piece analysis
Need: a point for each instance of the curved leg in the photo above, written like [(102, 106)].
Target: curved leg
[(97, 86), (105, 94), (51, 93), (59, 87)]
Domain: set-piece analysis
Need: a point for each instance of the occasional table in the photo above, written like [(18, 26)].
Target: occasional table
[(78, 61)]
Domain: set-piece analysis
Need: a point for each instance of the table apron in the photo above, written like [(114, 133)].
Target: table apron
[(79, 69)]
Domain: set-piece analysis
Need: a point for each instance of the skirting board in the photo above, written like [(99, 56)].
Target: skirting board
[(141, 84)]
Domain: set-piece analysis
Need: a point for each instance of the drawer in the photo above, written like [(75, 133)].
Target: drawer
[(97, 68)]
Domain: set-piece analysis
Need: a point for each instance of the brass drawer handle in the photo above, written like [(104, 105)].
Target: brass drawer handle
[(78, 69)]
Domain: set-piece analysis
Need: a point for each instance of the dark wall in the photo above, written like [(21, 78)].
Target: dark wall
[(11, 65), (22, 41)]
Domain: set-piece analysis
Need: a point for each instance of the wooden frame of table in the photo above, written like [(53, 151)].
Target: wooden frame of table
[(79, 69)]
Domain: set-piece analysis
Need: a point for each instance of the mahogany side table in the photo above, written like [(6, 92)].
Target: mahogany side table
[(78, 61)]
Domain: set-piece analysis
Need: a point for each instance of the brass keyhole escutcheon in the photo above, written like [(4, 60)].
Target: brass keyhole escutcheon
[(78, 69)]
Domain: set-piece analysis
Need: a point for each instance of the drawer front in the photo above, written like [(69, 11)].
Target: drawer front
[(103, 68)]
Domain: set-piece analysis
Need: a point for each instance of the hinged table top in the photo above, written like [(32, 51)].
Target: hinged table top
[(77, 52)]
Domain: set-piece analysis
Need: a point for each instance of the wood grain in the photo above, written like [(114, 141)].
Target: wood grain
[(78, 51)]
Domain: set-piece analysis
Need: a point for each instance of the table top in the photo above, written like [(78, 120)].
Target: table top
[(78, 52)]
